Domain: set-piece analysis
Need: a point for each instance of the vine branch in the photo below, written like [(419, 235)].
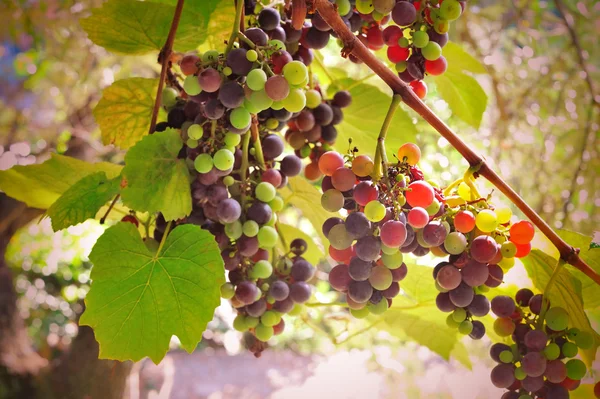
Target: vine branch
[(164, 58), (380, 154), (352, 45)]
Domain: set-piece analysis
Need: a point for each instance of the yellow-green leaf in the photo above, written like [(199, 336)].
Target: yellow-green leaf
[(460, 60), (123, 113), (464, 96), (40, 185)]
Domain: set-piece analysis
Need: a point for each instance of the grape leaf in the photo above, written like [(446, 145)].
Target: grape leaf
[(219, 25), (363, 119), (416, 316), (464, 96), (313, 253), (139, 299), (157, 181), (83, 200), (123, 113), (40, 185), (460, 60), (591, 256), (307, 198), (136, 27), (565, 292)]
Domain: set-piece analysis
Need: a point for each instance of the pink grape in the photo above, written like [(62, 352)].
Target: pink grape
[(420, 194), (418, 217), (393, 233)]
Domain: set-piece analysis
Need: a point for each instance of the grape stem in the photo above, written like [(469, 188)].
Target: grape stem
[(258, 154), (164, 58), (545, 301), (352, 45), (356, 333), (239, 7), (110, 208), (380, 163), (164, 238), (452, 186)]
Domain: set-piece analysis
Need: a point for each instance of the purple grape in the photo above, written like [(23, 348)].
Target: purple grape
[(284, 306), (434, 234), (391, 291), (302, 270), (299, 292), (329, 133), (323, 114), (360, 291), (216, 193), (404, 13), (339, 278), (237, 61), (269, 18), (357, 225), (247, 246), (483, 249), (462, 296), (257, 36), (503, 375), (536, 340), (272, 146), (359, 270), (503, 306), (478, 330), (342, 99), (257, 308), (298, 246), (329, 223), (449, 277), (368, 248), (480, 306), (400, 273), (535, 303), (291, 165), (210, 80), (523, 296), (231, 94), (443, 302), (231, 258), (278, 34), (496, 274), (532, 384), (439, 38), (316, 39), (259, 212), (279, 290), (229, 210), (534, 364), (246, 292), (475, 274)]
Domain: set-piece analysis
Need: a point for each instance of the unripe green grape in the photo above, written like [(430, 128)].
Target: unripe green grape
[(295, 101), (271, 123), (276, 204), (433, 208), (191, 85), (450, 322), (552, 351), (383, 7), (203, 163), (332, 200), (464, 191), (575, 369), (251, 55), (240, 118), (377, 16), (277, 105), (503, 215), (381, 278), (277, 45), (284, 266), (557, 318), (343, 6), (506, 263), (313, 98), (210, 56), (265, 191), (520, 374), (273, 220), (250, 106), (403, 42), (256, 79), (466, 327), (250, 228), (506, 357), (362, 312), (239, 323), (267, 237), (295, 72), (305, 150), (232, 139), (227, 71), (227, 291), (261, 270), (195, 131), (270, 318), (401, 66), (228, 181), (392, 261), (455, 243), (191, 143), (420, 39), (459, 315), (508, 249), (389, 250), (441, 26), (432, 51), (169, 97), (378, 308), (224, 159), (233, 230), (401, 199), (296, 310), (569, 349), (450, 10), (584, 340), (375, 211), (486, 221), (263, 333), (252, 322), (364, 6)]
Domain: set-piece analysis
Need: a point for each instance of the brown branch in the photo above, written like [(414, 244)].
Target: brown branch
[(352, 45), (164, 59)]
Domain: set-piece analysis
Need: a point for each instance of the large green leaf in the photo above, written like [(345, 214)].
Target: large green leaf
[(307, 198), (139, 299), (464, 96), (416, 316), (123, 113), (157, 180), (288, 233), (40, 185), (565, 292), (138, 27), (363, 119), (590, 291), (460, 60), (219, 25), (83, 200)]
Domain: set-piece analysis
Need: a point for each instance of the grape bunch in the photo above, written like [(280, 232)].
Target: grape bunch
[(540, 362)]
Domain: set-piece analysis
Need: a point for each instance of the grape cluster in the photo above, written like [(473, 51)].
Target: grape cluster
[(541, 361)]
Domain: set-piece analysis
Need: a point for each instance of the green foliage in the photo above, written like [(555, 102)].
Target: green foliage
[(157, 181), (83, 200), (123, 113), (460, 60), (136, 27), (565, 292), (41, 185), (464, 96), (313, 254), (363, 119), (139, 299)]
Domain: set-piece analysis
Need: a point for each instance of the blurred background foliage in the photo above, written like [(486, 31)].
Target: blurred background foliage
[(539, 130)]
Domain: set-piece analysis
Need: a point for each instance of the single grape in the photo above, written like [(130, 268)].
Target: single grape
[(302, 270), (203, 163), (267, 237), (480, 306), (556, 371), (368, 248), (483, 249), (360, 291), (365, 192), (329, 162), (339, 277), (557, 318), (455, 243), (223, 159), (332, 200), (504, 327), (210, 80), (380, 278), (404, 14), (393, 233), (486, 221), (358, 225), (339, 238), (462, 295), (502, 375), (503, 306), (449, 277), (432, 51), (409, 152), (522, 232), (417, 217), (277, 88), (375, 211), (240, 118)]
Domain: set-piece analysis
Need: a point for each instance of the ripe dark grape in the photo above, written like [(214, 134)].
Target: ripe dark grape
[(300, 292), (269, 18), (360, 291), (316, 39), (404, 13), (523, 296), (368, 248), (462, 295), (339, 277), (480, 306), (502, 375), (503, 306), (359, 270), (302, 270), (231, 94), (478, 330), (357, 225), (246, 292), (272, 146)]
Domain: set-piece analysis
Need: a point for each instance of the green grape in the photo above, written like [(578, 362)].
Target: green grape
[(506, 357), (295, 101), (224, 159), (191, 143), (455, 243), (261, 270), (508, 249), (332, 200), (313, 98), (296, 310), (392, 261), (450, 10), (339, 238), (273, 220), (403, 42), (228, 181), (552, 351), (378, 308), (503, 215), (169, 97), (232, 139), (270, 318), (256, 79), (227, 71), (573, 333), (295, 72), (227, 291), (381, 278), (520, 374), (191, 85), (203, 163), (261, 100), (251, 55), (210, 55), (277, 45), (252, 322), (401, 66), (432, 51), (284, 266), (576, 369), (466, 327), (250, 228), (557, 318), (305, 150), (267, 237), (361, 313), (459, 315), (389, 250), (250, 106), (301, 85), (506, 263), (584, 340), (420, 39), (239, 323), (433, 208), (263, 333), (271, 123), (377, 16), (569, 349), (450, 322), (265, 191), (486, 221), (344, 7), (276, 204), (277, 105), (233, 230), (375, 211), (364, 6), (525, 396), (195, 131), (442, 27), (239, 118)]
